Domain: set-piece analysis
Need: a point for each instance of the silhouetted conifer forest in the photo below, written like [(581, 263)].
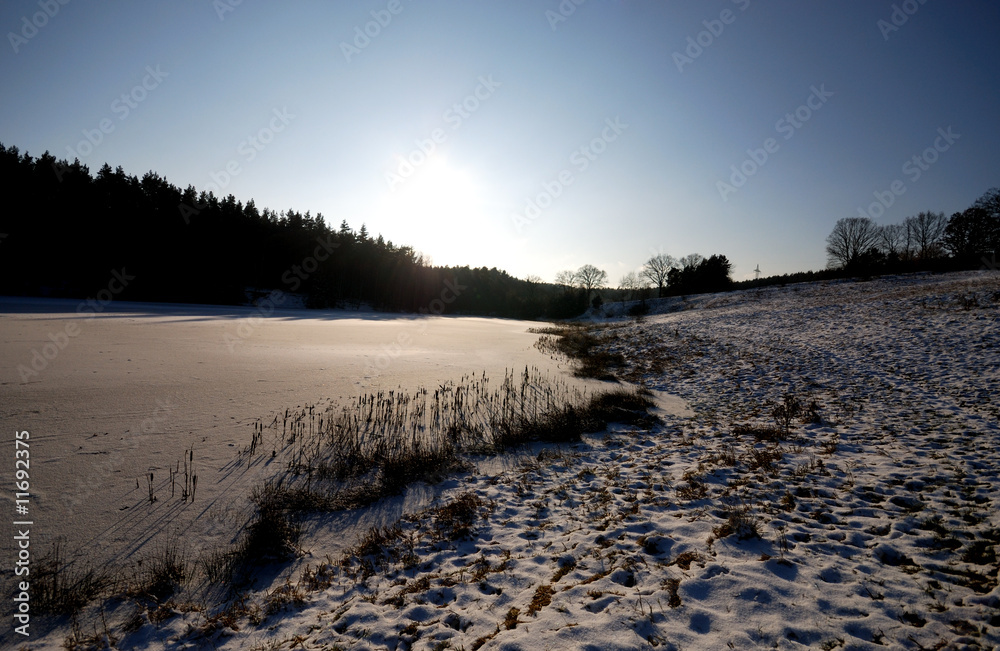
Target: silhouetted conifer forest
[(68, 231)]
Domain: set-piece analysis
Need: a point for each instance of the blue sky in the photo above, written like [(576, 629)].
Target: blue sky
[(603, 114)]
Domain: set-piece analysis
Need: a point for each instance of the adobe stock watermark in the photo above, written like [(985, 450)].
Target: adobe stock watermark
[(293, 277), (393, 350), (113, 462), (454, 117), (264, 308), (23, 523), (787, 128), (223, 7), (160, 416), (247, 151), (564, 10), (899, 16), (39, 19), (913, 168), (122, 106), (58, 341), (581, 160), (363, 35), (714, 27)]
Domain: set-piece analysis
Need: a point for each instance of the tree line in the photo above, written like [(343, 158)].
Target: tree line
[(928, 240), (66, 232), (691, 274)]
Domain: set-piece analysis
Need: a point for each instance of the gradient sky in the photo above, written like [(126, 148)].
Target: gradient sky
[(337, 121)]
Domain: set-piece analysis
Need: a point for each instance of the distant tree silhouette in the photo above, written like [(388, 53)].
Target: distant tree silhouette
[(892, 240), (989, 203), (851, 238), (691, 261), (588, 277), (701, 275), (630, 285), (714, 274), (566, 278), (926, 241), (925, 234), (972, 233), (657, 270)]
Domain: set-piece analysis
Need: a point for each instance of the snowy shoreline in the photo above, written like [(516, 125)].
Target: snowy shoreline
[(870, 523)]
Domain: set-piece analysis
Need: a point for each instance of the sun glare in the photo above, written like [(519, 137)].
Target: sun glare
[(439, 209)]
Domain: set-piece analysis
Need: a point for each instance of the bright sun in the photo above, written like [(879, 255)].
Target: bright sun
[(439, 211)]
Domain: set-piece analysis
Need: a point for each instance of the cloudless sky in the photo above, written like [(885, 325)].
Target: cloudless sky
[(308, 112)]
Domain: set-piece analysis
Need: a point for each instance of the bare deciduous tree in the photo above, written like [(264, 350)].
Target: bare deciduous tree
[(590, 278), (657, 270), (691, 261), (925, 232), (892, 239), (851, 238), (631, 284), (566, 278)]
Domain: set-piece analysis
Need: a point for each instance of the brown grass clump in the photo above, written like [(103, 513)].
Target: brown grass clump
[(510, 621), (694, 490), (581, 343), (542, 598), (740, 521), (281, 597), (672, 586), (764, 459), (564, 569), (685, 559), (454, 520), (159, 576), (760, 433)]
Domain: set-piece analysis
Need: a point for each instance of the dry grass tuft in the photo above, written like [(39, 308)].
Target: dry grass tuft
[(62, 587), (582, 343), (740, 521), (541, 599), (685, 559), (672, 586), (454, 520)]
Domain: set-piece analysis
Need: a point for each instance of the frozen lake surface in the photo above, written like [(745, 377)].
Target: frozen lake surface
[(111, 396)]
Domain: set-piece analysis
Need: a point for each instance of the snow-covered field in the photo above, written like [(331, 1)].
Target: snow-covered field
[(112, 393), (868, 519)]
